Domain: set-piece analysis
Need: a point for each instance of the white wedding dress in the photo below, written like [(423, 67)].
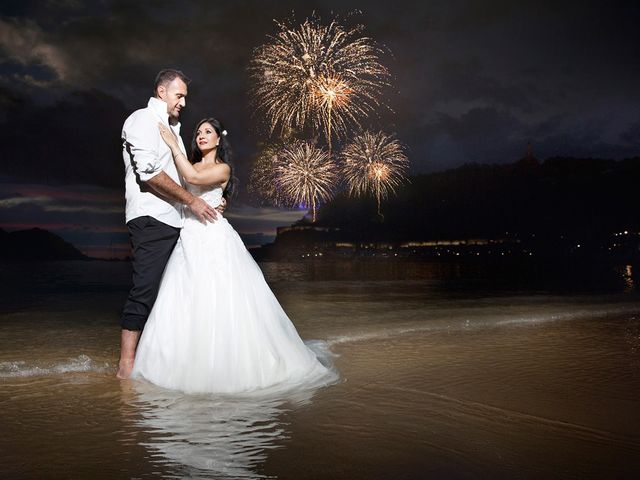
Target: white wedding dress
[(216, 326)]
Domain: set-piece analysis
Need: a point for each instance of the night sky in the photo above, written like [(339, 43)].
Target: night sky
[(473, 81)]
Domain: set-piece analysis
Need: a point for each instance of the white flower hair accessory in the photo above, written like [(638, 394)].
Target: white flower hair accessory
[(224, 132)]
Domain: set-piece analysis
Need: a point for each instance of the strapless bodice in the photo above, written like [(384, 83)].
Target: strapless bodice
[(210, 194)]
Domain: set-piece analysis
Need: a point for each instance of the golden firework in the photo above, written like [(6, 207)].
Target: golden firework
[(304, 175), (332, 93), (374, 163), (320, 76)]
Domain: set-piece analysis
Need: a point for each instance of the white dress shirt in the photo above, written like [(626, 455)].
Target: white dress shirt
[(146, 155)]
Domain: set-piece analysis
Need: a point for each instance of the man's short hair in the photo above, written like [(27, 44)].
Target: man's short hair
[(167, 76)]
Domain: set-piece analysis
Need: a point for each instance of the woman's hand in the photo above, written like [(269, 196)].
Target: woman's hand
[(169, 137)]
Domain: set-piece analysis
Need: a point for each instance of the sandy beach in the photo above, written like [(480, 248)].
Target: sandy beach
[(435, 382)]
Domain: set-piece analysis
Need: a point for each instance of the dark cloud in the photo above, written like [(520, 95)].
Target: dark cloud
[(474, 81), (92, 217), (533, 61), (75, 140), (483, 135), (631, 136), (69, 206)]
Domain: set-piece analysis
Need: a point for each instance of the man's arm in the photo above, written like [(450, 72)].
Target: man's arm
[(142, 140), (165, 186)]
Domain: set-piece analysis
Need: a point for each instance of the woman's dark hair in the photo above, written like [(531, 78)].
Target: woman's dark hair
[(223, 152)]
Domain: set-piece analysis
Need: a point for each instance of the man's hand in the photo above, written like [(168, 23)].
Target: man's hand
[(165, 186), (223, 205), (202, 210)]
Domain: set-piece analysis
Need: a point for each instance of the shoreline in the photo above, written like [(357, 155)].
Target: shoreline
[(553, 399)]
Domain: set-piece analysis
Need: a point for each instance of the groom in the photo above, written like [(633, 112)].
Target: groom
[(155, 200)]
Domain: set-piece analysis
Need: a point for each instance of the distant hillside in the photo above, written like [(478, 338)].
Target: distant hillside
[(36, 244), (558, 208), (578, 198)]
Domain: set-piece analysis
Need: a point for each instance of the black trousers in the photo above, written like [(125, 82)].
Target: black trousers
[(152, 243)]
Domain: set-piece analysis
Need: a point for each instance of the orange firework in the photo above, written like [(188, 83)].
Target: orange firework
[(374, 163)]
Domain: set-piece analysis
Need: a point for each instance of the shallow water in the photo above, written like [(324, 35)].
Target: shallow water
[(446, 371)]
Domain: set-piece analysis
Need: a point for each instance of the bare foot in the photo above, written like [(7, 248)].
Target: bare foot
[(128, 343), (124, 369)]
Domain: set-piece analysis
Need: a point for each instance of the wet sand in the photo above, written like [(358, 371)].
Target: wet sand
[(557, 400), (550, 400), (437, 380)]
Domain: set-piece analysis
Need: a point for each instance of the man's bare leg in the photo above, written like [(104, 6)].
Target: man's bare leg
[(128, 343)]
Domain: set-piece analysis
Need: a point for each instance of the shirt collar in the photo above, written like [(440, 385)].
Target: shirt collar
[(160, 108)]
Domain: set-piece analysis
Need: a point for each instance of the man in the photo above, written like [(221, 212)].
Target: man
[(155, 200)]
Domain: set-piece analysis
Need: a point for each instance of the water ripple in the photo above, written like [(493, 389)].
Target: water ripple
[(22, 368)]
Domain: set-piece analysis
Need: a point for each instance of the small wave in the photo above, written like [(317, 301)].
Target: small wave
[(21, 368), (379, 334), (323, 352), (496, 319), (573, 314)]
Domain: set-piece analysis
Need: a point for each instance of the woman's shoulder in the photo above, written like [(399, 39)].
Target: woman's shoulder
[(201, 167)]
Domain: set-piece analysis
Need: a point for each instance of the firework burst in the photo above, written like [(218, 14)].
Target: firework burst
[(332, 94), (374, 163), (323, 76), (304, 174)]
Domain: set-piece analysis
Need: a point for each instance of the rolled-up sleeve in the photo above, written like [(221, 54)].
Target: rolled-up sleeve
[(140, 138)]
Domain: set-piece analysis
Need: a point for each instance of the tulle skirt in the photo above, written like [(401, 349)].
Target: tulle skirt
[(216, 326)]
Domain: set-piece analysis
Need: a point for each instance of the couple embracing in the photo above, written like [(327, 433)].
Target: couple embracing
[(200, 317)]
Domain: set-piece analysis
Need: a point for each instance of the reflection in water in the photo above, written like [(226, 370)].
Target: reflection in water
[(224, 436), (627, 274), (632, 337)]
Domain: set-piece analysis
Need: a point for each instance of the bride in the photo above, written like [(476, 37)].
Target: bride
[(216, 327)]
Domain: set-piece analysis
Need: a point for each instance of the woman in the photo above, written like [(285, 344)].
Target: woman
[(216, 326)]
